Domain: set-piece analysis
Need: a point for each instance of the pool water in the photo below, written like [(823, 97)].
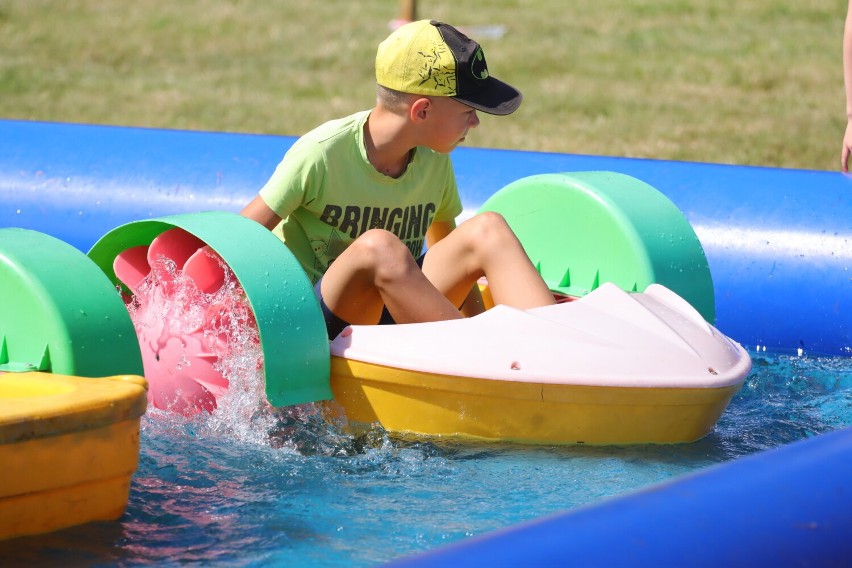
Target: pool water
[(249, 486)]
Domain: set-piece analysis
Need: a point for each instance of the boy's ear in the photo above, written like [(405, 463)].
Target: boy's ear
[(420, 109)]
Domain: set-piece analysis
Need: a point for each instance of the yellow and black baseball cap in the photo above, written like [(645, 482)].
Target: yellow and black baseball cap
[(435, 59)]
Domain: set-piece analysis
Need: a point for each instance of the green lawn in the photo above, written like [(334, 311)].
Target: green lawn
[(746, 82)]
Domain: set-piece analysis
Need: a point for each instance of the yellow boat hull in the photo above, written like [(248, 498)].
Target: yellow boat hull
[(440, 405), (68, 449)]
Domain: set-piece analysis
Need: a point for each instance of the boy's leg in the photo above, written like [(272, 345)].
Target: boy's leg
[(378, 270), (486, 246)]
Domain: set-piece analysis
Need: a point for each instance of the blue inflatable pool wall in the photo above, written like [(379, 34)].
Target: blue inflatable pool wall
[(777, 242)]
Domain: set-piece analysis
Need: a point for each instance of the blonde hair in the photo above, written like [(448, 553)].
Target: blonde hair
[(394, 101)]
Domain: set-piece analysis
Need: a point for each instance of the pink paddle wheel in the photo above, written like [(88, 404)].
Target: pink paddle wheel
[(187, 308)]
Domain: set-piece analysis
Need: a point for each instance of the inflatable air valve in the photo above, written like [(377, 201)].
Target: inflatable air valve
[(206, 248), (586, 228)]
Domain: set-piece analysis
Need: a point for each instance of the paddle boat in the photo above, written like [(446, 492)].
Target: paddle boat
[(616, 365), (613, 366), (69, 412)]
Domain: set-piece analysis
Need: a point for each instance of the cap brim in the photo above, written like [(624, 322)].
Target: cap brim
[(495, 97)]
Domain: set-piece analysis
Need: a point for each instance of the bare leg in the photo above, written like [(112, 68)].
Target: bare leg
[(378, 270), (486, 246)]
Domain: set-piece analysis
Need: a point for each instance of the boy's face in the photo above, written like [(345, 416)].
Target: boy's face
[(448, 123)]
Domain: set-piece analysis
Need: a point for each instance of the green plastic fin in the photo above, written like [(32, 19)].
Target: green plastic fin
[(297, 361), (606, 225), (596, 283), (44, 362), (565, 282)]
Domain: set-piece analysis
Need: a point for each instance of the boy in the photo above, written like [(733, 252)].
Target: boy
[(355, 198)]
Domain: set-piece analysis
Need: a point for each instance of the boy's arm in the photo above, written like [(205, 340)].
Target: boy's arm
[(259, 211), (473, 304)]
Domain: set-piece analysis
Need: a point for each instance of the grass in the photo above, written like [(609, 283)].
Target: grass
[(744, 82)]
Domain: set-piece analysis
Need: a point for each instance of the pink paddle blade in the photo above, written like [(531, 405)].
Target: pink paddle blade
[(131, 266), (167, 255), (170, 250), (206, 269), (181, 373)]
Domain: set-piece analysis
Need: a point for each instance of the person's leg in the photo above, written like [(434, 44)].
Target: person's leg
[(333, 324), (386, 317), (378, 270), (486, 246)]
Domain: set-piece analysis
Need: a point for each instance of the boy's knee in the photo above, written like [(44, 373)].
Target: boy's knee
[(379, 240), (490, 226), (492, 219), (381, 247)]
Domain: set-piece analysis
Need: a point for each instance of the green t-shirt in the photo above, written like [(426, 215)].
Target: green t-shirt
[(328, 194)]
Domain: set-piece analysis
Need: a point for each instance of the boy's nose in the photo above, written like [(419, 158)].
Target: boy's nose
[(474, 120)]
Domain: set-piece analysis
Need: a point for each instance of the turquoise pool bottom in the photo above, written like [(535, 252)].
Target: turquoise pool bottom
[(311, 495)]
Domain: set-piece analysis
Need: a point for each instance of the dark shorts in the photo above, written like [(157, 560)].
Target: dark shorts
[(334, 325)]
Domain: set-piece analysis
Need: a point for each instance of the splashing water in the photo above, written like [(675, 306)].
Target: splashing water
[(196, 346), (205, 363)]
